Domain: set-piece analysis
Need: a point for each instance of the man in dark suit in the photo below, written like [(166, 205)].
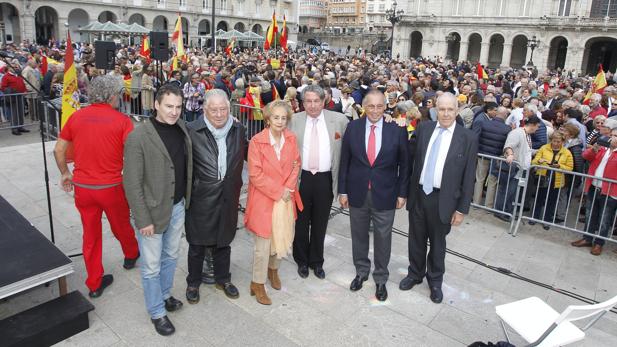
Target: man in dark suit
[(373, 182), (440, 192)]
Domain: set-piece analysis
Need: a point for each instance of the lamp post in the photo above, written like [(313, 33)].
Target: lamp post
[(533, 44), (213, 27), (393, 16)]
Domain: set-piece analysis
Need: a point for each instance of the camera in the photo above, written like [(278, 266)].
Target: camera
[(604, 141)]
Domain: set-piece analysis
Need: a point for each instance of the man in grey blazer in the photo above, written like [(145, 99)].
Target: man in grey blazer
[(158, 168), (319, 134)]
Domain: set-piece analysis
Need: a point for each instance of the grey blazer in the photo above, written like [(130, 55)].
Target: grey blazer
[(336, 124), (148, 176)]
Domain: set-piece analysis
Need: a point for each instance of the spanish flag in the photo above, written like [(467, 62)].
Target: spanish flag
[(597, 86), (481, 73), (230, 47), (145, 48), (272, 32), (284, 35), (178, 39), (70, 91)]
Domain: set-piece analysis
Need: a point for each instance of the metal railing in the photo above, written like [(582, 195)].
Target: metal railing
[(19, 110), (250, 117)]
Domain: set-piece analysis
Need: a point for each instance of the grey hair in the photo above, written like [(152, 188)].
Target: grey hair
[(313, 88), (611, 123), (239, 83), (212, 93), (103, 88), (531, 107), (447, 95)]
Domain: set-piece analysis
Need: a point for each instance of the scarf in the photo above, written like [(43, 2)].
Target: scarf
[(220, 136)]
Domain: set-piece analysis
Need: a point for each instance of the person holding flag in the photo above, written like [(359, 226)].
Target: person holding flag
[(284, 35)]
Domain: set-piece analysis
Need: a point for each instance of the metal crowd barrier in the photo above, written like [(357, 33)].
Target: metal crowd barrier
[(19, 110), (502, 183), (569, 207), (250, 117)]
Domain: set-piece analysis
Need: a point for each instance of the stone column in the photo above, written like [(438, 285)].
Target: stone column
[(462, 51), (507, 54), (62, 29), (484, 48), (574, 58), (26, 26)]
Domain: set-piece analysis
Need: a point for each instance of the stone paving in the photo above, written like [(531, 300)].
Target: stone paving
[(313, 312)]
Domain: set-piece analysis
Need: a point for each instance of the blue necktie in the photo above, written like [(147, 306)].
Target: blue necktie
[(429, 173)]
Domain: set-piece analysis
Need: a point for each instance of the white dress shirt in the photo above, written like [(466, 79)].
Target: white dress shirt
[(367, 133), (444, 146), (277, 149), (325, 162), (515, 117)]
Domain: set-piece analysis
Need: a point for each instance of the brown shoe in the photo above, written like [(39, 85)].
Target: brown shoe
[(581, 243), (596, 250), (273, 277), (258, 290)]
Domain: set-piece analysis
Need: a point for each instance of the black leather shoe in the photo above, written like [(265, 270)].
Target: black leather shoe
[(381, 293), (129, 263), (230, 290), (163, 326), (172, 304), (16, 132), (319, 272), (303, 271), (436, 295), (105, 282), (356, 284), (23, 130), (192, 295), (407, 283)]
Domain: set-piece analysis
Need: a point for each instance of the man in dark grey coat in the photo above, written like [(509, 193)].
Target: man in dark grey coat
[(219, 147), (157, 181)]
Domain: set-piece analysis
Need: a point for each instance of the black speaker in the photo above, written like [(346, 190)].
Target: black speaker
[(105, 55), (159, 45)]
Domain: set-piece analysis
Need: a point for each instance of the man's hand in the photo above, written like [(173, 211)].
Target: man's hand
[(509, 158), (66, 182), (147, 231), (342, 199), (400, 202), (457, 219), (596, 147)]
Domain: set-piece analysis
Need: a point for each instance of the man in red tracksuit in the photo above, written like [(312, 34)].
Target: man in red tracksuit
[(98, 133), (14, 88)]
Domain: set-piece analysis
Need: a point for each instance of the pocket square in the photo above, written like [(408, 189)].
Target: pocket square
[(337, 135)]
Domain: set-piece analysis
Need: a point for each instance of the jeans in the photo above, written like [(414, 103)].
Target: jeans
[(600, 215), (159, 255), (506, 190), (190, 116)]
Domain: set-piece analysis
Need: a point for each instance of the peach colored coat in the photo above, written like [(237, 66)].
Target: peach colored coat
[(268, 178)]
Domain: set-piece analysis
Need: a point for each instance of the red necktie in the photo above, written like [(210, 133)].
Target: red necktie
[(370, 151)]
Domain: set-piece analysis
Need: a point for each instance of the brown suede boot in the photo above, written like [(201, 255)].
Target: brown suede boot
[(273, 276), (258, 290)]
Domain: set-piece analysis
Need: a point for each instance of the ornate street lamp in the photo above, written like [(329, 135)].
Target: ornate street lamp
[(393, 16), (533, 44)]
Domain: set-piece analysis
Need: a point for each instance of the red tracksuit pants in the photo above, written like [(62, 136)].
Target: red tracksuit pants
[(91, 203)]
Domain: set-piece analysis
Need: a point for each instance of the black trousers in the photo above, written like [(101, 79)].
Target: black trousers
[(424, 224), (222, 262), (312, 222)]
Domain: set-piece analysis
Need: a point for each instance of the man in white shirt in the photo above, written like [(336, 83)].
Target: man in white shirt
[(319, 134)]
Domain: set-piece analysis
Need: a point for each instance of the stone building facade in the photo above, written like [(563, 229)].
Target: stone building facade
[(572, 34), (312, 15), (42, 20)]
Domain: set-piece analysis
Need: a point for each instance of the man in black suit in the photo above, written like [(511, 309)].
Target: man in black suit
[(373, 182), (440, 192)]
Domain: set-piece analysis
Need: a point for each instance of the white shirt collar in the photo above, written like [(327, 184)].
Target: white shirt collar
[(449, 129), (320, 117), (273, 140), (379, 123)]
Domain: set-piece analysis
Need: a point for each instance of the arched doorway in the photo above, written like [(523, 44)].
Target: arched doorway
[(495, 50), (137, 18), (519, 51), (222, 26), (9, 16), (46, 23), (203, 28), (415, 49), (240, 27), (107, 16), (600, 50), (78, 18), (474, 48), (258, 29), (304, 29), (185, 30), (160, 23), (454, 46), (557, 53)]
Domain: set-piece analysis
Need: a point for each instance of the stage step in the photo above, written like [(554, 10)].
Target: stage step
[(47, 323)]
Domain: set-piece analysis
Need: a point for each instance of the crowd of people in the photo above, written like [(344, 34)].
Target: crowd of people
[(376, 134)]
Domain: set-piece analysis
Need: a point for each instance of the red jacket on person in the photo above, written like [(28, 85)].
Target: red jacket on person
[(15, 83), (610, 171)]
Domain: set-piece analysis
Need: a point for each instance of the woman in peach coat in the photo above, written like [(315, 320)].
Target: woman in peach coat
[(273, 166)]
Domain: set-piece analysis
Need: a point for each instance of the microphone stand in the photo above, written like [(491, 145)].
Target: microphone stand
[(43, 98)]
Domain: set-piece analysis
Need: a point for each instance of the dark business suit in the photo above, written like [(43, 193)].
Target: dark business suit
[(388, 179), (430, 215)]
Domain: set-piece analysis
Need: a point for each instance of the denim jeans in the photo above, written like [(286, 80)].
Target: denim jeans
[(600, 215), (506, 190), (159, 255)]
